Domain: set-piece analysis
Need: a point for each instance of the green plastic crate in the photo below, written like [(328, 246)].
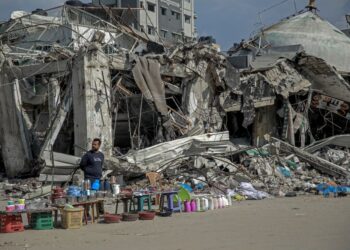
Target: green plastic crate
[(41, 221)]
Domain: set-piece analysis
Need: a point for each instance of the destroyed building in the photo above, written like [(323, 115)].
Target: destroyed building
[(68, 76), (305, 59)]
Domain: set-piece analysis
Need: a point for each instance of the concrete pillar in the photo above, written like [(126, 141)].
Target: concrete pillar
[(91, 100), (264, 123), (14, 136)]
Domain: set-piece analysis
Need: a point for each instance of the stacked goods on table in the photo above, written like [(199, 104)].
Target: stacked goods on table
[(58, 196), (18, 207), (177, 197)]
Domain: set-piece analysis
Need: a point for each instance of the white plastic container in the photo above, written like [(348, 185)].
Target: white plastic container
[(198, 204), (229, 199), (211, 203), (204, 204), (226, 201), (216, 203), (221, 202), (116, 189)]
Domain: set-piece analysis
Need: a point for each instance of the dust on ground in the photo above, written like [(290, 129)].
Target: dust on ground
[(296, 223)]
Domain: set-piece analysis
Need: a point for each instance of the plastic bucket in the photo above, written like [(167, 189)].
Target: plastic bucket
[(95, 185)]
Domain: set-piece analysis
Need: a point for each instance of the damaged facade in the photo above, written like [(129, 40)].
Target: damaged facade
[(68, 76)]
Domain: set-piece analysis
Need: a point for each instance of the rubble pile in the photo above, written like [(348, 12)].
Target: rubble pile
[(20, 188), (280, 175), (339, 156)]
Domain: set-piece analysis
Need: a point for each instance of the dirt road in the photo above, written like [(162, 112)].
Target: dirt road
[(299, 223)]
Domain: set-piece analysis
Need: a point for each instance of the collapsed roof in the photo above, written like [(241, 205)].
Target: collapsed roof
[(318, 37)]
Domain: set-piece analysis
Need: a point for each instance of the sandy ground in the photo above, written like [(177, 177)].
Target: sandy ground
[(296, 223)]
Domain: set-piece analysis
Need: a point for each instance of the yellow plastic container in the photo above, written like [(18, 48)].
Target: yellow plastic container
[(72, 218)]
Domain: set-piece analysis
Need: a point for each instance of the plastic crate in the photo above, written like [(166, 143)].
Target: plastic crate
[(72, 218), (11, 223), (41, 221)]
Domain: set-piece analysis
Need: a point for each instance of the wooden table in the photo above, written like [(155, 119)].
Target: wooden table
[(86, 205)]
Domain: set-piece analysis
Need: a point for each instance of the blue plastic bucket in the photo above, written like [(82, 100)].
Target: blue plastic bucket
[(95, 185)]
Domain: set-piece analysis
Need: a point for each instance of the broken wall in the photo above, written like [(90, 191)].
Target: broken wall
[(14, 140)]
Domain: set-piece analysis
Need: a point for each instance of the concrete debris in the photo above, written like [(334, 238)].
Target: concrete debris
[(176, 109), (159, 156), (336, 156)]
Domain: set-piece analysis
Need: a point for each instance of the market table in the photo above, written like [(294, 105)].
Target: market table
[(128, 200), (86, 205)]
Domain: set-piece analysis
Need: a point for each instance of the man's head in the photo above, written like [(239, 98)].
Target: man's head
[(96, 144)]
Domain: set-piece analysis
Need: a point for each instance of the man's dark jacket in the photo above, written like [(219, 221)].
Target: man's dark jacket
[(92, 164)]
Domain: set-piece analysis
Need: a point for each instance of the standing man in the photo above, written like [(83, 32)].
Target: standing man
[(92, 162)]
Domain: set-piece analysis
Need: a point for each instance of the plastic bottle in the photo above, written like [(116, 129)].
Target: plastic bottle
[(198, 204), (203, 207), (87, 185), (187, 205), (220, 202), (216, 203), (115, 189), (211, 203), (193, 206), (206, 203), (229, 199), (225, 201)]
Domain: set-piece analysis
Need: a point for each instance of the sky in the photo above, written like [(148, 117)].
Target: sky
[(228, 21)]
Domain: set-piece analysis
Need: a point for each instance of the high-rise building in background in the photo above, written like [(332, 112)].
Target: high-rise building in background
[(167, 20)]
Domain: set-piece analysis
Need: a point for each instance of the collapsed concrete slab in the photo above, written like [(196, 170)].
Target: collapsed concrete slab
[(321, 164), (156, 157)]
